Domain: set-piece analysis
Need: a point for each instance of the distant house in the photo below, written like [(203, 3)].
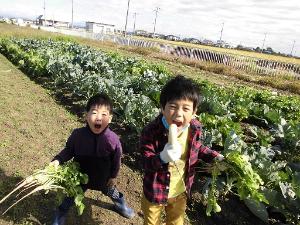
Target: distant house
[(245, 48), (207, 42), (141, 33), (20, 22), (155, 35), (6, 20), (172, 38), (223, 44), (27, 21), (192, 40), (54, 23), (100, 28), (13, 20)]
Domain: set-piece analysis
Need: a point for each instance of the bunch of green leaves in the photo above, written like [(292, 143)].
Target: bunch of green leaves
[(242, 179), (65, 179), (248, 181)]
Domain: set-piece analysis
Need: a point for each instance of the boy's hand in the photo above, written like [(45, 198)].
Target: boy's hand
[(111, 182), (171, 152), (220, 157), (54, 163)]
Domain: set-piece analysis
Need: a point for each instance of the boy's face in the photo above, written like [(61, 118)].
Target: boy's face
[(179, 112), (98, 118)]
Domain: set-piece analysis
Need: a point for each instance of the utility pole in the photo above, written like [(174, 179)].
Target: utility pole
[(221, 33), (156, 11), (263, 45), (293, 47), (72, 16), (45, 10), (126, 18), (134, 16)]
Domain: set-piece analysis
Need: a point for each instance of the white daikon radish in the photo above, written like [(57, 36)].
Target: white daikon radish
[(172, 138)]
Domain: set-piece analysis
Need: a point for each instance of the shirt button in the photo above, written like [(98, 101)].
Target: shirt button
[(167, 187), (168, 175)]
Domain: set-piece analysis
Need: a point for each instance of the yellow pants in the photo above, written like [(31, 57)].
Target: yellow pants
[(175, 211)]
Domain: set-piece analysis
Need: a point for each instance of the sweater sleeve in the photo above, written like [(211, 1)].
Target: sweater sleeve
[(207, 154), (68, 152), (116, 160)]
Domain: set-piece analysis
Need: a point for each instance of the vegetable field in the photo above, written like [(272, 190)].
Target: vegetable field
[(257, 131)]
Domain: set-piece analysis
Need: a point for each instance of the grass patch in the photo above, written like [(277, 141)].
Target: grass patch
[(144, 51)]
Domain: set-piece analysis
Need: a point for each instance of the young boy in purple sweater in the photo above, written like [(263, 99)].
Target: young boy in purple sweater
[(98, 151)]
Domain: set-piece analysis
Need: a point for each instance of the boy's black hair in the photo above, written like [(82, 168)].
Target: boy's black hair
[(180, 87), (100, 99)]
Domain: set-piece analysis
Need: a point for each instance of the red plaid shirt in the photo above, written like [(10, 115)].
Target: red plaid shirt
[(156, 175)]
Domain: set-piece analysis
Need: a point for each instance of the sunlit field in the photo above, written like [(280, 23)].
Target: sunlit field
[(227, 50)]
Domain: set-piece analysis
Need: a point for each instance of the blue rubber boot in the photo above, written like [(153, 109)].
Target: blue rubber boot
[(119, 203), (62, 211), (59, 218), (122, 208)]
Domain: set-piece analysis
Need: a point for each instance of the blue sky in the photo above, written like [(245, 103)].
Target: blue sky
[(246, 22)]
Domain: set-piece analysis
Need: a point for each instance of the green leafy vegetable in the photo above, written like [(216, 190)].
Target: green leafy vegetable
[(65, 178)]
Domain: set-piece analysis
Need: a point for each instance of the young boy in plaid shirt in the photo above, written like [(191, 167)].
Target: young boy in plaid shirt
[(169, 168)]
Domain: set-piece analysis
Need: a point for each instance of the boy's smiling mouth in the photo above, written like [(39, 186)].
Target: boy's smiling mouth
[(97, 126), (177, 123)]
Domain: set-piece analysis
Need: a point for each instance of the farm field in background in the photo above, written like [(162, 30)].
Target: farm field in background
[(196, 69), (257, 129), (227, 50)]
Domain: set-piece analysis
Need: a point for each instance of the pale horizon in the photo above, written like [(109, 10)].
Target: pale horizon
[(251, 23)]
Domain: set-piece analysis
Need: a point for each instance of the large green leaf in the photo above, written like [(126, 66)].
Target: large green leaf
[(258, 209)]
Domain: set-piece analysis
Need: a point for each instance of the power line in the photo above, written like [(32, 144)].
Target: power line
[(125, 30), (156, 11)]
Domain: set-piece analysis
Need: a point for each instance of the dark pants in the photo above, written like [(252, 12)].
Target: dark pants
[(111, 192)]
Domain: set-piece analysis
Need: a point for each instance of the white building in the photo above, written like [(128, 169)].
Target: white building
[(100, 28), (20, 22), (52, 23)]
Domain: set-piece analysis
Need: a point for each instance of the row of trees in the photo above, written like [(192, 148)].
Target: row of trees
[(267, 50)]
